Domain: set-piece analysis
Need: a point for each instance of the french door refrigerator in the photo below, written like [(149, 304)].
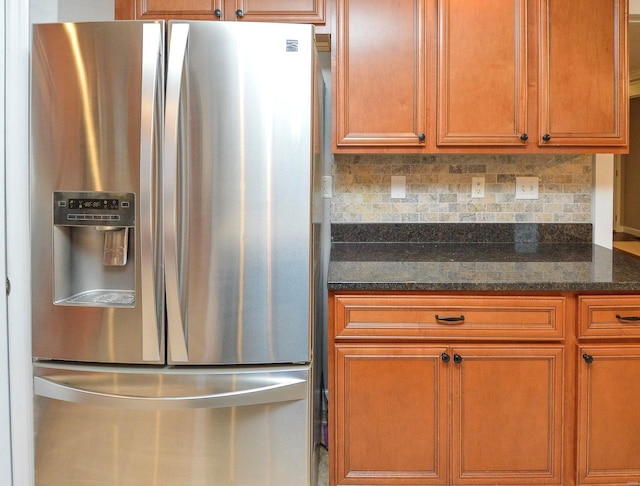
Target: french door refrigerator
[(175, 219)]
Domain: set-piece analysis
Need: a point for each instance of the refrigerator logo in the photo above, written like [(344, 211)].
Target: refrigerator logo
[(292, 45)]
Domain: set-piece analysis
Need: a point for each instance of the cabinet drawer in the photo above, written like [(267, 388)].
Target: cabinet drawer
[(450, 317), (609, 316)]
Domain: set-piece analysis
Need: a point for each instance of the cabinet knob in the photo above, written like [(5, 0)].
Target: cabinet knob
[(445, 357), (524, 137), (421, 137), (457, 358), (239, 13), (217, 12), (546, 137), (588, 358)]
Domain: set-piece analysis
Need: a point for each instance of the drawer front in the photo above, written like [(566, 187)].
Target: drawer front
[(609, 316), (450, 317)]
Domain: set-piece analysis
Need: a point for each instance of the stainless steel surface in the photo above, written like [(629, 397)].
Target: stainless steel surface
[(152, 300), (230, 219), (165, 435), (85, 136), (243, 265), (176, 319)]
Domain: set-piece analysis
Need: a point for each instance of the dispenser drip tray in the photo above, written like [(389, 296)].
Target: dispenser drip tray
[(100, 297)]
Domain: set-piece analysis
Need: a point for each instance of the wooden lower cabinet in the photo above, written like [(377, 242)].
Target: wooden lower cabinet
[(507, 405), (390, 414), (609, 415), (484, 389), (429, 414)]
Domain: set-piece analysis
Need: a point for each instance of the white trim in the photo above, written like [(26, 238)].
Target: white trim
[(5, 416), (17, 217), (630, 231)]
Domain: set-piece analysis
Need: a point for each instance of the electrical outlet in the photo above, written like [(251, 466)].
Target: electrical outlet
[(477, 187), (398, 187), (526, 188), (327, 187)]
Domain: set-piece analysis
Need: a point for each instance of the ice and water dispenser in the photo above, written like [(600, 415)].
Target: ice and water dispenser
[(94, 249)]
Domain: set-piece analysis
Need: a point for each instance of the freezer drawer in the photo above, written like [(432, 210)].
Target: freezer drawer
[(187, 427)]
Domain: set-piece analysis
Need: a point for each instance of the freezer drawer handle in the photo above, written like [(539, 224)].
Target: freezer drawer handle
[(282, 391)]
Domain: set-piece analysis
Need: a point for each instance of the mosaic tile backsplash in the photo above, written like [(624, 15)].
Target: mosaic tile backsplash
[(438, 188)]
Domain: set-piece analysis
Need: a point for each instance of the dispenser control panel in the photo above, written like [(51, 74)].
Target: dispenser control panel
[(94, 208)]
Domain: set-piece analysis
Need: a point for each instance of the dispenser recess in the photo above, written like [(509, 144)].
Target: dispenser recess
[(94, 248)]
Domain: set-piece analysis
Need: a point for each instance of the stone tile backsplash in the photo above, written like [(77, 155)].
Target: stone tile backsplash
[(438, 188)]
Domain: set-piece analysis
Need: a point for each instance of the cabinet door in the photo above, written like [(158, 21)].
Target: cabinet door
[(302, 11), (379, 77), (482, 66), (583, 73), (169, 9), (390, 423), (608, 416), (507, 415)]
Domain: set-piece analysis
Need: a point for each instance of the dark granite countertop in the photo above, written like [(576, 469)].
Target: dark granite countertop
[(532, 264)]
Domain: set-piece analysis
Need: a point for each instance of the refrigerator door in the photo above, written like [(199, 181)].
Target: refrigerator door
[(97, 98), (187, 427), (238, 192)]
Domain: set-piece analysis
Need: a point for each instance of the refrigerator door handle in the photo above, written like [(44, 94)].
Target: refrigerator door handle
[(283, 390), (176, 330), (151, 57)]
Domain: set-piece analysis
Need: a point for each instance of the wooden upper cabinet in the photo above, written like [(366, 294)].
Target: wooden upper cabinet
[(379, 76), (302, 11), (583, 73), (482, 72)]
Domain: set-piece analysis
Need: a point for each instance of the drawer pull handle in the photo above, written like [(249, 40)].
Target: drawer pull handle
[(628, 318), (449, 319), (588, 358)]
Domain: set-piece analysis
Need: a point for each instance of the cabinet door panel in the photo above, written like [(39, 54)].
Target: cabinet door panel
[(608, 417), (482, 63), (390, 418), (583, 103), (303, 11), (183, 9), (379, 83), (507, 415)]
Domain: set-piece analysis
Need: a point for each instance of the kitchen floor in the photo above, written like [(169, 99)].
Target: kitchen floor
[(323, 468)]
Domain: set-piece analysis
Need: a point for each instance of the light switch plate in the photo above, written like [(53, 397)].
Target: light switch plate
[(526, 188)]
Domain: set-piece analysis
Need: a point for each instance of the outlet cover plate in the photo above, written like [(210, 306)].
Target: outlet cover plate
[(477, 187)]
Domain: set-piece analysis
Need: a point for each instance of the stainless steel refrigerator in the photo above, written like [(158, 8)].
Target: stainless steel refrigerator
[(175, 227)]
